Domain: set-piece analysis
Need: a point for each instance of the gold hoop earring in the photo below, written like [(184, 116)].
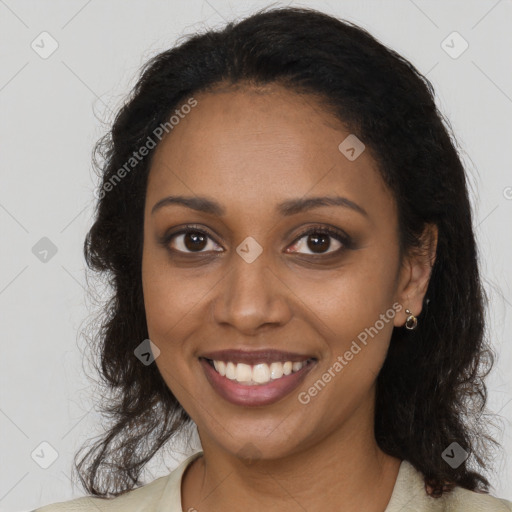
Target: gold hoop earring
[(411, 322)]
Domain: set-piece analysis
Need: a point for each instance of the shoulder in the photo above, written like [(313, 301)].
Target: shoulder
[(409, 494), (164, 490), (131, 500), (469, 501)]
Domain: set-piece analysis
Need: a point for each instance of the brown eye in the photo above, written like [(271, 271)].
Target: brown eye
[(194, 241), (191, 241), (319, 240)]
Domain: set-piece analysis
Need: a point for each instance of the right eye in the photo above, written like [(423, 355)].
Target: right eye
[(189, 240)]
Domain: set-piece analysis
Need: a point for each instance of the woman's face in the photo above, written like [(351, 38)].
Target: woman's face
[(250, 280)]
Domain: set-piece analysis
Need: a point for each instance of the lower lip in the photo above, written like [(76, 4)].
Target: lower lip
[(259, 394)]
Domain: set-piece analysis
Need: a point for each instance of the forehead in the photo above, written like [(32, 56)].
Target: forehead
[(254, 146)]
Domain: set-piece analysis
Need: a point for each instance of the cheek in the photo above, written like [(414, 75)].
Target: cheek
[(169, 304), (353, 312), (170, 298), (174, 302), (350, 299)]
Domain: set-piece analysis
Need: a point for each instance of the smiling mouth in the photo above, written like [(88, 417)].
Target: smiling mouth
[(257, 374)]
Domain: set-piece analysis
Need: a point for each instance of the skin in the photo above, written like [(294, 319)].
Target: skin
[(250, 149)]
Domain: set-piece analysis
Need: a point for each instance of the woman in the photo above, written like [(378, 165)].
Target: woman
[(284, 215)]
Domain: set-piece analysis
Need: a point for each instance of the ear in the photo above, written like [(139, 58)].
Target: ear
[(415, 275)]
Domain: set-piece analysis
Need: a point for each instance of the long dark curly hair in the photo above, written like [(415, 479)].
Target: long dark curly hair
[(430, 390)]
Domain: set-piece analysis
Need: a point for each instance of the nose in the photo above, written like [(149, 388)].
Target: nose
[(252, 297)]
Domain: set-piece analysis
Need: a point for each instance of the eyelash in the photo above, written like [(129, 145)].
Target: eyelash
[(339, 235)]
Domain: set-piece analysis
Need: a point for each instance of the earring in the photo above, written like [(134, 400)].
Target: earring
[(411, 321)]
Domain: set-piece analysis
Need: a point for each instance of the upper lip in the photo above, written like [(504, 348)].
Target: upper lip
[(256, 357)]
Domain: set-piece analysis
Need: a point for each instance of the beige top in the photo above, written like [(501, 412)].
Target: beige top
[(164, 495)]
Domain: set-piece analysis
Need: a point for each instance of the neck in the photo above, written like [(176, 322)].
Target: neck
[(344, 470)]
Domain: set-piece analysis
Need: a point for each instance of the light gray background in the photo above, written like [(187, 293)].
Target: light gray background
[(50, 112)]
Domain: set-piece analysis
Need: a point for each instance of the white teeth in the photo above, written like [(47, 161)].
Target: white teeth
[(296, 366), (220, 366), (276, 370), (243, 373), (259, 373), (230, 371)]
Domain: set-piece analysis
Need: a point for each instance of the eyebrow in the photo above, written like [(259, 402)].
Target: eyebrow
[(286, 208)]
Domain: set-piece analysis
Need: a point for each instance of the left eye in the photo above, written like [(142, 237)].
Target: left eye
[(319, 241)]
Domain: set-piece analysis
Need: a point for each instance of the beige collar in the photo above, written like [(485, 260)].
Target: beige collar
[(408, 494)]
